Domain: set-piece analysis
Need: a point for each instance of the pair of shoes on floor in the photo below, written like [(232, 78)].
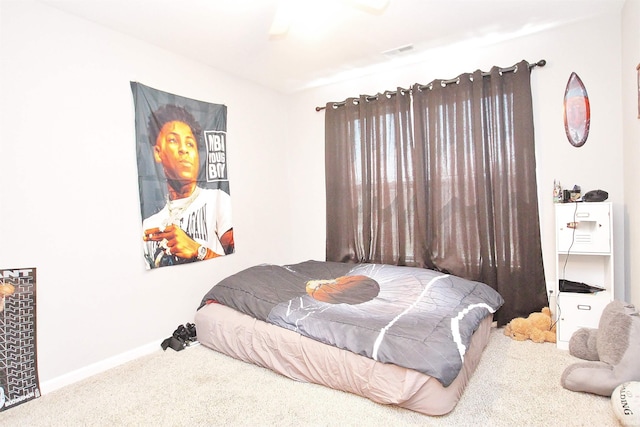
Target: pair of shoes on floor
[(184, 336)]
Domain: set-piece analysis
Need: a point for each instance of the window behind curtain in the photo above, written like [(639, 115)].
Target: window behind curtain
[(369, 177), (441, 177)]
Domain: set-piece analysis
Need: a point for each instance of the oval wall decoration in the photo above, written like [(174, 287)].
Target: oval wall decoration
[(577, 113)]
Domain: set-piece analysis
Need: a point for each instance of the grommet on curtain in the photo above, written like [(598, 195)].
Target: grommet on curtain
[(514, 68)]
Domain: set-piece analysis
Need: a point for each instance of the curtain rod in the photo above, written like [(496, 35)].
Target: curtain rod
[(540, 63)]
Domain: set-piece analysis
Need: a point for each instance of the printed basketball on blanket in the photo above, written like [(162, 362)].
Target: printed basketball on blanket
[(345, 289)]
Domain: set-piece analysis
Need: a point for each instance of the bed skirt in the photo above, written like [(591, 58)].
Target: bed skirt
[(242, 337)]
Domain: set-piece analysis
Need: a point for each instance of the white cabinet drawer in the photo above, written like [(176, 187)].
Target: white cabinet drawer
[(583, 228), (579, 311)]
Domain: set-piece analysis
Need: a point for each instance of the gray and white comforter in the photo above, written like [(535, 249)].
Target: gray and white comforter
[(420, 319)]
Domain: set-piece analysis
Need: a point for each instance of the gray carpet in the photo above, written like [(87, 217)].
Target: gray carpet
[(516, 384)]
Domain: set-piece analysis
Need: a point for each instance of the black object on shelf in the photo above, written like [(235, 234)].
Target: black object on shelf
[(578, 287), (595, 196)]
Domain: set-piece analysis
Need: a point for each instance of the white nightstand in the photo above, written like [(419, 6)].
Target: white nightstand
[(584, 249)]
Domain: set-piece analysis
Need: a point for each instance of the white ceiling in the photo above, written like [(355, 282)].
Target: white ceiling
[(331, 37)]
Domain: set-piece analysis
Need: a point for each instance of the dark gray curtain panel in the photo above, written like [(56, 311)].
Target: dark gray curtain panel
[(442, 177), (369, 175)]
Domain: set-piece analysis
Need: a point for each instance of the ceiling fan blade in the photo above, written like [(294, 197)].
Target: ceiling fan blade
[(287, 10), (282, 19), (371, 6)]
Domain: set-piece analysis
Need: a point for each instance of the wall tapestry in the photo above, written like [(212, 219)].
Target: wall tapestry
[(18, 362), (182, 176)]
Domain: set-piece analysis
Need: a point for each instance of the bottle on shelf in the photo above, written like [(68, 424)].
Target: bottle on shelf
[(557, 192)]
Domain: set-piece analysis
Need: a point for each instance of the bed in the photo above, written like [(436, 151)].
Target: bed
[(404, 336)]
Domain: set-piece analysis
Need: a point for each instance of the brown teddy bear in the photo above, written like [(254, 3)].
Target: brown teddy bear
[(538, 327)]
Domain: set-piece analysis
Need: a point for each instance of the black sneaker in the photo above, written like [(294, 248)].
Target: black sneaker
[(191, 331), (181, 334)]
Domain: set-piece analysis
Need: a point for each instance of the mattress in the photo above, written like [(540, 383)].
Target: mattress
[(411, 317), (293, 355)]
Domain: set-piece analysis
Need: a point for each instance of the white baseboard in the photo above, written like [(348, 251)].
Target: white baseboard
[(96, 368)]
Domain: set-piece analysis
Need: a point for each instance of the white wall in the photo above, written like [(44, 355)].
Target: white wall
[(631, 137), (69, 193), (590, 48)]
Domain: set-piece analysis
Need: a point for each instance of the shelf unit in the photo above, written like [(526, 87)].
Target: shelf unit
[(584, 253)]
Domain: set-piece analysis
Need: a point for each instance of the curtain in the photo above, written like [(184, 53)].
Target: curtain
[(442, 177), (369, 161)]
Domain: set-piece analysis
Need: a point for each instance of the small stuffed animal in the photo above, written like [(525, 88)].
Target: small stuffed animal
[(538, 327), (610, 352)]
